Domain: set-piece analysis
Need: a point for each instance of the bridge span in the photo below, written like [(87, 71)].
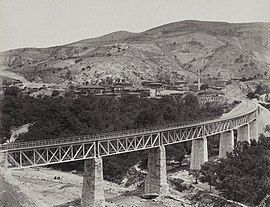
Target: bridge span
[(93, 148)]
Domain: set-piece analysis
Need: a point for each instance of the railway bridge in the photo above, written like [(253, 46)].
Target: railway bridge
[(93, 148)]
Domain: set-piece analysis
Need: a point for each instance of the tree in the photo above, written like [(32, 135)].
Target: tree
[(244, 175), (55, 93), (5, 83), (251, 95), (259, 89), (146, 117), (267, 128), (209, 173), (191, 101), (12, 91), (204, 86), (196, 174), (176, 152)]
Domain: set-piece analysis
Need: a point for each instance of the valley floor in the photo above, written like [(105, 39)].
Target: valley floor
[(48, 187)]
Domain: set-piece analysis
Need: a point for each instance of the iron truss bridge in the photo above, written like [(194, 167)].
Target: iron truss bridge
[(45, 152)]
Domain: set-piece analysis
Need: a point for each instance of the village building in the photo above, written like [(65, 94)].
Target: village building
[(153, 84), (144, 92), (93, 89), (117, 89), (155, 87), (124, 84), (180, 83), (134, 94), (193, 87)]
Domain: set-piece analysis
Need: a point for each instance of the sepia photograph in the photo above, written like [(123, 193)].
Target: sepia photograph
[(134, 103)]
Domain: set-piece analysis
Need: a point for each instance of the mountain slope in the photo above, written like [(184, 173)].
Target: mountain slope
[(170, 52)]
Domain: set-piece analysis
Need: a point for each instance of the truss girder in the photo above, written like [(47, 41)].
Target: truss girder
[(128, 144), (66, 152), (51, 155)]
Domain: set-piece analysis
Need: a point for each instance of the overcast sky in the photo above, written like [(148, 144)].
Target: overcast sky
[(43, 23)]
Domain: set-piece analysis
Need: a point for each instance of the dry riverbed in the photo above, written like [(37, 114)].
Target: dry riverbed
[(48, 187)]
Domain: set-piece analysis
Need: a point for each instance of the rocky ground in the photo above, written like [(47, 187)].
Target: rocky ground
[(11, 196), (48, 187)]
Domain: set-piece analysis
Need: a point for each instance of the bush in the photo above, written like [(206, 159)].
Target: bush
[(204, 86), (261, 89), (55, 117), (12, 91), (251, 95), (245, 175), (55, 93)]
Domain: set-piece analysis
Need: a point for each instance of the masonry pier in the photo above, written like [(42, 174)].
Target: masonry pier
[(199, 153), (253, 128), (3, 161), (156, 180), (92, 190), (243, 133), (226, 143)]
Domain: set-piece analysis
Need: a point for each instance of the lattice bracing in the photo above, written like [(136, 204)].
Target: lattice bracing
[(128, 144), (51, 155)]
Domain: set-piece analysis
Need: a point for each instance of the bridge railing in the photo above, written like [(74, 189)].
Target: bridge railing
[(101, 136)]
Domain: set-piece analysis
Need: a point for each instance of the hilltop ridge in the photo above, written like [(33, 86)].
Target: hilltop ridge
[(168, 53)]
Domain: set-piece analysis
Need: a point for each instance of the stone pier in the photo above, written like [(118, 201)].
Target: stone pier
[(156, 180), (3, 162), (243, 133), (3, 159), (226, 143), (199, 153), (253, 129), (92, 190)]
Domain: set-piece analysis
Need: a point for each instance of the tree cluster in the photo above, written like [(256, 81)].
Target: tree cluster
[(55, 117), (260, 90), (244, 176)]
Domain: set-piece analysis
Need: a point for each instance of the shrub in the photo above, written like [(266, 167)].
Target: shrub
[(244, 175), (55, 117)]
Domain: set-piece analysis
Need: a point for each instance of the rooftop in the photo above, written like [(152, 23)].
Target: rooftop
[(91, 87)]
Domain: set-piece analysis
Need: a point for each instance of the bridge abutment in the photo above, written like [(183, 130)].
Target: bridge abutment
[(92, 190), (253, 128), (243, 133), (226, 143), (156, 180), (199, 153)]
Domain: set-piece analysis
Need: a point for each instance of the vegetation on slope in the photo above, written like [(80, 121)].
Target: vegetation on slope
[(260, 90), (244, 176), (55, 117), (59, 117)]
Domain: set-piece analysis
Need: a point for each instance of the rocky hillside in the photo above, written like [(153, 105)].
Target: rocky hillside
[(170, 52)]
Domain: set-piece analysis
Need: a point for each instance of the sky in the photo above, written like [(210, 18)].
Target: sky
[(44, 23)]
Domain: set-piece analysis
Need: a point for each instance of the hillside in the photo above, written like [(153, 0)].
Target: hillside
[(169, 52)]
